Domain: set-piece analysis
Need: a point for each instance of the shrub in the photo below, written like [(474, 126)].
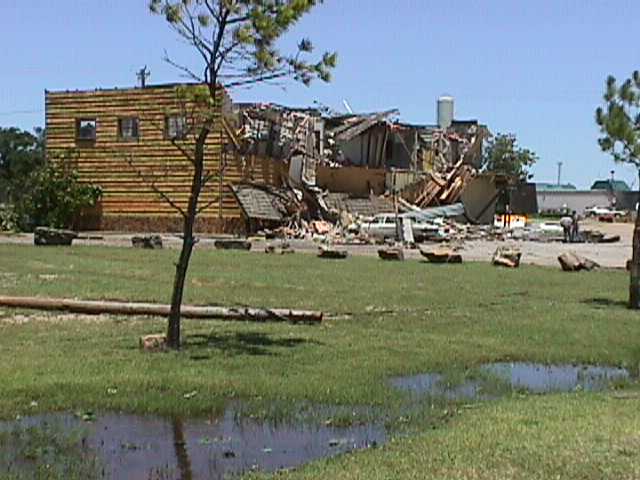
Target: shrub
[(52, 196), (8, 218)]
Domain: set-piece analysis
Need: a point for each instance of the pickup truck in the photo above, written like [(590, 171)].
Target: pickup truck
[(383, 226), (603, 211)]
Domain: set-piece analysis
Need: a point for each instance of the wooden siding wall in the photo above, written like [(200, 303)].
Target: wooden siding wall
[(124, 168)]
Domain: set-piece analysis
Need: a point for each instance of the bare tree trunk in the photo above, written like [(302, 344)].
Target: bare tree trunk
[(188, 241), (634, 284)]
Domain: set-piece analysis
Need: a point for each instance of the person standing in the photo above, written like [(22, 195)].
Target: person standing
[(575, 228)]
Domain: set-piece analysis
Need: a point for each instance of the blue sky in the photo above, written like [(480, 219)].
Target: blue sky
[(534, 68)]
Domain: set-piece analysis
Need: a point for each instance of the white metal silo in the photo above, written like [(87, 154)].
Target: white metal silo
[(445, 111)]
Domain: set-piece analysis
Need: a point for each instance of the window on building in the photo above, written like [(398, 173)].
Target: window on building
[(176, 127), (86, 129), (128, 128)]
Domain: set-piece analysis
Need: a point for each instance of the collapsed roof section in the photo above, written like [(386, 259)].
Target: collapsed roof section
[(374, 140), (354, 158)]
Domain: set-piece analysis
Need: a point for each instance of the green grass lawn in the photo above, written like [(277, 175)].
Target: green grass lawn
[(383, 319)]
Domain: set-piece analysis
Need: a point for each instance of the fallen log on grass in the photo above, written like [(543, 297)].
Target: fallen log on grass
[(160, 310)]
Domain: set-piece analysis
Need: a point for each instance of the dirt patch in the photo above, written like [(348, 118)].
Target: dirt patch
[(8, 318)]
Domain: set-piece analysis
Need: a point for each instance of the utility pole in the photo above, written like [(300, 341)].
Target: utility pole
[(142, 75), (559, 172)]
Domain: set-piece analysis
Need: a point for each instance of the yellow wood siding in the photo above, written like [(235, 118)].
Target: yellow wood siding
[(124, 168)]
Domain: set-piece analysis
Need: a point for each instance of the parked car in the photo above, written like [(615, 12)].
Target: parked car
[(383, 226), (551, 228), (598, 211)]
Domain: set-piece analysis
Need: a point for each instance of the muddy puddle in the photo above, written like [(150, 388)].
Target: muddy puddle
[(496, 379), (119, 446), (114, 446)]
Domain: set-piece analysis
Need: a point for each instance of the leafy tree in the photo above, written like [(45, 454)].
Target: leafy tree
[(503, 155), (619, 122), (21, 153), (235, 42)]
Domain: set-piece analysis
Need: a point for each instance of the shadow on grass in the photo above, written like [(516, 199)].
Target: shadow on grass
[(239, 344), (599, 302)]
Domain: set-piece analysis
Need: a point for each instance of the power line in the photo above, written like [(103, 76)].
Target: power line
[(22, 112)]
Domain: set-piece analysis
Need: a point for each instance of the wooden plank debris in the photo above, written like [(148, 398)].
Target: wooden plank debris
[(333, 253), (507, 257), (234, 244), (441, 255), (391, 253)]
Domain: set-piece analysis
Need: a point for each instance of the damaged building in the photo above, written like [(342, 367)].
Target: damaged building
[(272, 166)]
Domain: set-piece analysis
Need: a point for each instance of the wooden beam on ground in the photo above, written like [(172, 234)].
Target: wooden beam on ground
[(161, 310)]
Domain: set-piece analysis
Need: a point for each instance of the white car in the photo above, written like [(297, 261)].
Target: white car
[(551, 228), (383, 226)]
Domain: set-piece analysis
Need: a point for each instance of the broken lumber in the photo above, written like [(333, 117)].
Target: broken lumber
[(148, 241), (334, 253), (610, 239), (572, 262), (391, 253), (162, 310), (232, 244), (153, 343), (507, 257), (441, 256), (52, 236)]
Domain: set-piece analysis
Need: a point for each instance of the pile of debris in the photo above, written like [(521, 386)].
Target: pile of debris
[(414, 167)]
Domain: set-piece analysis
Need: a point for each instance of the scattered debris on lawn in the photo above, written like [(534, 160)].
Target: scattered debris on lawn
[(572, 262), (153, 343), (441, 255), (232, 244), (391, 253), (44, 236), (507, 257), (325, 251), (596, 236), (147, 241)]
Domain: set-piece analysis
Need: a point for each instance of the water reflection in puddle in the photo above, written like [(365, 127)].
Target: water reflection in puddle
[(132, 446), (495, 379)]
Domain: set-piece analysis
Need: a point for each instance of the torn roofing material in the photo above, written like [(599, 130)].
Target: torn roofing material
[(358, 124), (364, 207), (431, 213), (260, 202)]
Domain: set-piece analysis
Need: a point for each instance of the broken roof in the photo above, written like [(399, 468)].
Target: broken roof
[(260, 202), (365, 207), (354, 125)]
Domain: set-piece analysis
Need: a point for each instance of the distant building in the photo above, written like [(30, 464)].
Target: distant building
[(545, 187), (611, 185), (556, 198)]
